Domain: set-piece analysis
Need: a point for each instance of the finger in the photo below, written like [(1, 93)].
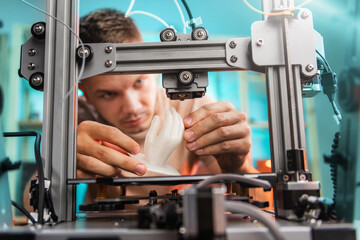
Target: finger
[(237, 131), (84, 174), (90, 165), (117, 159), (106, 144), (205, 111), (213, 122), (109, 134), (167, 126), (238, 146)]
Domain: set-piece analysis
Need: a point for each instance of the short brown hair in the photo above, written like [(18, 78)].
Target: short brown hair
[(108, 25)]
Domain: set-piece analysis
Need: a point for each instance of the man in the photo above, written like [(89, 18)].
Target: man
[(115, 114)]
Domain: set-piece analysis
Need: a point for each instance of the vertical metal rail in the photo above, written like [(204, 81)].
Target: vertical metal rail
[(290, 80), (285, 109), (60, 120)]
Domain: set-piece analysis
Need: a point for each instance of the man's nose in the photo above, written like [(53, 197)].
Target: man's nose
[(131, 103)]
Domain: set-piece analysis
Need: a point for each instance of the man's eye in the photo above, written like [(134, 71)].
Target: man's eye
[(139, 82), (107, 95)]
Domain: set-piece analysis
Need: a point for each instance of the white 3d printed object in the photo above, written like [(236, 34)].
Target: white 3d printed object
[(158, 147)]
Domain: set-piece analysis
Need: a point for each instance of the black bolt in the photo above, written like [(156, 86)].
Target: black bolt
[(233, 58), (31, 66), (108, 49), (32, 52), (232, 44)]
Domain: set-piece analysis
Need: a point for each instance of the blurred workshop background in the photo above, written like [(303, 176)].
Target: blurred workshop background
[(337, 21)]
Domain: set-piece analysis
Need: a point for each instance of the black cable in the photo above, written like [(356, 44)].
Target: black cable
[(328, 82), (24, 211), (322, 65), (189, 13), (336, 110), (39, 167), (324, 61), (333, 166)]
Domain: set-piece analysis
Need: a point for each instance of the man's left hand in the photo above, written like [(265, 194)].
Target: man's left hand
[(220, 130)]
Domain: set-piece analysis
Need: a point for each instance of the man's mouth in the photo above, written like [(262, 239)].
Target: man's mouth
[(134, 122)]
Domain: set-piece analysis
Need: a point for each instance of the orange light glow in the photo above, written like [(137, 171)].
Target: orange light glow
[(268, 163)]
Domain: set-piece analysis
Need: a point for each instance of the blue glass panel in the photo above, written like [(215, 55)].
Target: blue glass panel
[(257, 101), (225, 87), (260, 148)]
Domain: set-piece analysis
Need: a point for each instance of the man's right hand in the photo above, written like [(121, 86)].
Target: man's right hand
[(103, 150)]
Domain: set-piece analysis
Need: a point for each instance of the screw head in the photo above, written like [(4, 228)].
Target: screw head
[(304, 15), (31, 52), (232, 44), (313, 221), (309, 68), (182, 230), (233, 58), (36, 80), (31, 66), (39, 28), (259, 42), (302, 177), (285, 178), (83, 52), (168, 35), (108, 63), (108, 49), (186, 77), (199, 34)]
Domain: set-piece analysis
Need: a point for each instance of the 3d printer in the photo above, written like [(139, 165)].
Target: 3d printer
[(278, 46)]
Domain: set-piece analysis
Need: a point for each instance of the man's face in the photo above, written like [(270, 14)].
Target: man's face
[(125, 101)]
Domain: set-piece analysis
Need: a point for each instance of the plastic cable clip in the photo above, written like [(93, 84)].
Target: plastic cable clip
[(197, 21)]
